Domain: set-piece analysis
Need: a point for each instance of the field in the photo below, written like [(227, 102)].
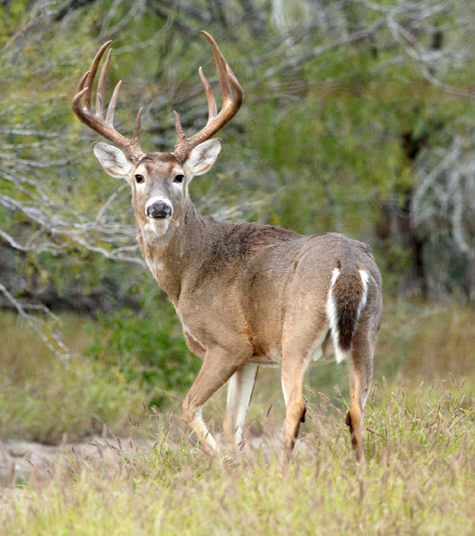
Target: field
[(117, 469)]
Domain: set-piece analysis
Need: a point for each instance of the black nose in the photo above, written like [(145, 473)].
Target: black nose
[(159, 210)]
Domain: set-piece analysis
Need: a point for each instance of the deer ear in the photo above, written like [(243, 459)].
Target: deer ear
[(203, 156), (113, 160)]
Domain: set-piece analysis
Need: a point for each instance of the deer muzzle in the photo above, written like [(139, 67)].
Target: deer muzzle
[(159, 210)]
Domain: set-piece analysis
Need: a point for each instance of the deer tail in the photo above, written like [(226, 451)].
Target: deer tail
[(346, 300)]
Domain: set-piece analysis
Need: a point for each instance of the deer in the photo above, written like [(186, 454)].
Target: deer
[(248, 295)]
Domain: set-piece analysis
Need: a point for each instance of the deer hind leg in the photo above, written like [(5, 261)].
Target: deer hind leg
[(302, 341), (360, 368), (240, 387), (218, 366), (294, 366)]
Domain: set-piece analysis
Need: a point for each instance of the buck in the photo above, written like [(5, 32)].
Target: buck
[(248, 295)]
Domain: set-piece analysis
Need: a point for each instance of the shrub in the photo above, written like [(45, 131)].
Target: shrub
[(149, 347)]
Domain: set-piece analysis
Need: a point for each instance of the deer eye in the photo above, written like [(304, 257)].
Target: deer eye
[(139, 178), (178, 178)]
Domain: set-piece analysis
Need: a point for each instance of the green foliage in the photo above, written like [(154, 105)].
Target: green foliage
[(330, 97), (147, 347), (41, 399)]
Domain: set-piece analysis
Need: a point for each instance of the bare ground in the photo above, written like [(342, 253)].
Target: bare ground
[(22, 460)]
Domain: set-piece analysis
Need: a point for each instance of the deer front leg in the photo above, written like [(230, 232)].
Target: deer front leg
[(240, 387), (218, 366)]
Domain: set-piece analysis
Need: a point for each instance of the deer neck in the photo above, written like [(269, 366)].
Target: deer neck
[(171, 257)]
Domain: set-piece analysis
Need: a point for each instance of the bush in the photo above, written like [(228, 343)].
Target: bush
[(149, 347)]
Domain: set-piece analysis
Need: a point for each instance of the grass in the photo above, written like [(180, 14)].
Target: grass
[(41, 399), (418, 479)]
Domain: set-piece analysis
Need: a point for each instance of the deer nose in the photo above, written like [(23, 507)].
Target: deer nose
[(159, 209)]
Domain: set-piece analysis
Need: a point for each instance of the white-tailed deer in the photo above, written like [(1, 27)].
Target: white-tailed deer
[(248, 295)]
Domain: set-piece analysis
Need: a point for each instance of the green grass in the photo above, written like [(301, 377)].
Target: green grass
[(418, 479), (41, 399)]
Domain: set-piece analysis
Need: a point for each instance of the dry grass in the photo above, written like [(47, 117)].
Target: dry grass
[(426, 341), (41, 400)]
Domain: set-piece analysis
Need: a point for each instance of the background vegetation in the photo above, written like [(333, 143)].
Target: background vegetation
[(359, 118)]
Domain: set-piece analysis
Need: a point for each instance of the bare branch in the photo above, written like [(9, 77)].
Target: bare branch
[(49, 337), (12, 242), (35, 133)]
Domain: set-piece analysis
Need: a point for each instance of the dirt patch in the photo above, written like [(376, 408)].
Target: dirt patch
[(21, 460)]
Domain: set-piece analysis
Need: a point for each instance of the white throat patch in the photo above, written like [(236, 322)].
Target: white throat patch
[(157, 226)]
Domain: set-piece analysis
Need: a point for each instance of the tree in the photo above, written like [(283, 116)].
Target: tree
[(358, 117)]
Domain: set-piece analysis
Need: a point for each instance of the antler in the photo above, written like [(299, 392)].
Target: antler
[(231, 103), (95, 120), (232, 100)]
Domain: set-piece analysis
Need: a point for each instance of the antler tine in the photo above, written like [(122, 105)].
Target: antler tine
[(82, 82), (221, 68), (135, 140), (96, 120), (212, 110), (179, 129), (112, 103), (92, 75), (101, 85), (237, 87), (232, 100)]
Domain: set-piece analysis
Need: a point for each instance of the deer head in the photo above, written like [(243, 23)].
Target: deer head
[(159, 181)]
